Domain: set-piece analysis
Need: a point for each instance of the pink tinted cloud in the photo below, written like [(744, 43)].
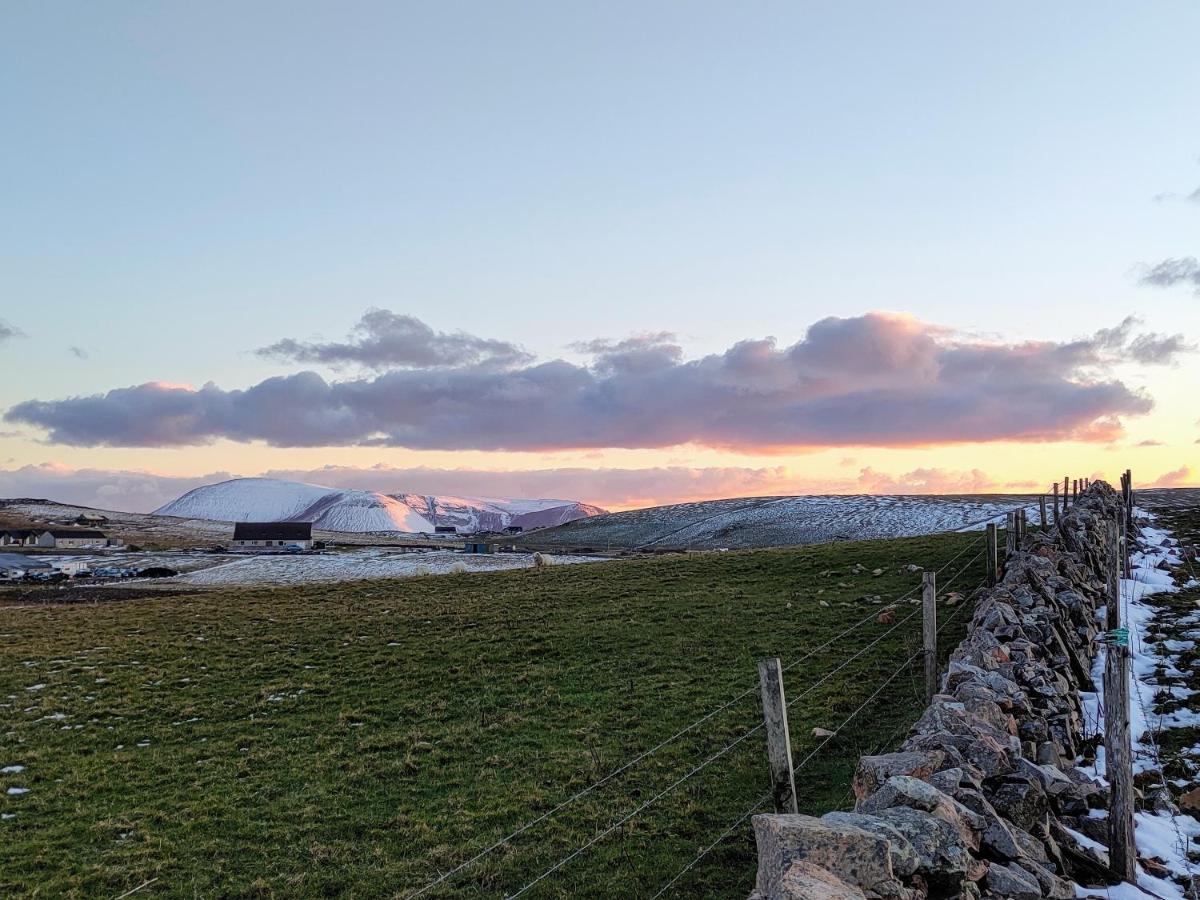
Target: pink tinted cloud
[(871, 380)]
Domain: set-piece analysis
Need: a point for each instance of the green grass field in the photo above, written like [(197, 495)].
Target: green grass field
[(357, 739)]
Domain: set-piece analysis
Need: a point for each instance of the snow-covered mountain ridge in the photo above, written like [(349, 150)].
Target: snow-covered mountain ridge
[(338, 509)]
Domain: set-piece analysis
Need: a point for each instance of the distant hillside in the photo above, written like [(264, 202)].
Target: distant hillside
[(336, 509), (777, 521)]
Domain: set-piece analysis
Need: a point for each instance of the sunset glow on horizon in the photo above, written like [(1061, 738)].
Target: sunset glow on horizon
[(746, 265)]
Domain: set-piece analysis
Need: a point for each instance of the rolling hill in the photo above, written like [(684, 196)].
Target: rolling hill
[(338, 509)]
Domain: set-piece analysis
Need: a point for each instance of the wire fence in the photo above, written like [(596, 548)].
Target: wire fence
[(849, 645)]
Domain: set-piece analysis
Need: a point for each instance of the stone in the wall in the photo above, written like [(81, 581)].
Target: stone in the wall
[(873, 771), (857, 857)]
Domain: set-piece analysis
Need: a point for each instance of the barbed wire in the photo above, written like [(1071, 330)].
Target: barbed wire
[(892, 677), (441, 879), (491, 848), (639, 809)]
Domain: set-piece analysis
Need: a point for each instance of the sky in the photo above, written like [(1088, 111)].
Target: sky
[(627, 253)]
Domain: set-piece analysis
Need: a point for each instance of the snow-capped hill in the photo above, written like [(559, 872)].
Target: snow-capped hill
[(247, 500), (336, 509)]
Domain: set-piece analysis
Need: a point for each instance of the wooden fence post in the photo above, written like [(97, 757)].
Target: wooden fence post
[(993, 548), (1129, 500), (779, 742), (1010, 535), (1118, 751), (1066, 491), (1042, 521), (1056, 503), (929, 631)]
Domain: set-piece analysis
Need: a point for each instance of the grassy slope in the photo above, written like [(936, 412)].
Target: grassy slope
[(356, 739)]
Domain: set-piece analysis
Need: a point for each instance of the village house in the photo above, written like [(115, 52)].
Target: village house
[(17, 537), (272, 537), (72, 539)]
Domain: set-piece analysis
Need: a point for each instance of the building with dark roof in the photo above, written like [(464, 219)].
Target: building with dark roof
[(17, 537), (72, 539), (272, 537)]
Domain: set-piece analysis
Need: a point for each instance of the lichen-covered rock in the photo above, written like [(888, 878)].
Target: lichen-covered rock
[(904, 790), (905, 860), (805, 881), (857, 857), (873, 771), (1010, 882)]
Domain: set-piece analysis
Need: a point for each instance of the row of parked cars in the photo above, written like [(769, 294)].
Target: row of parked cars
[(43, 576)]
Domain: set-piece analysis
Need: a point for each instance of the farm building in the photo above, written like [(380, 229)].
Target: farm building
[(17, 537), (90, 519), (478, 547), (72, 539), (272, 537), (445, 529)]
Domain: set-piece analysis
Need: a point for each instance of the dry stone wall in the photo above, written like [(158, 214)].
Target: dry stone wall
[(979, 799)]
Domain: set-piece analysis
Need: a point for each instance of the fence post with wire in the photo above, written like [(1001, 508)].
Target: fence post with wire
[(1049, 628)]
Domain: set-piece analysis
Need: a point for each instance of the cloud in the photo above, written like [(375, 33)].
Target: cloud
[(872, 380), (78, 352), (925, 481), (1149, 442), (640, 354), (130, 491), (383, 339), (7, 331), (1183, 270), (1175, 478)]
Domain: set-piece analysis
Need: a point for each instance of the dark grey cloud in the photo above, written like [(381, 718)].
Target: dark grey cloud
[(635, 355), (871, 380), (1183, 270), (8, 331), (78, 352), (383, 340)]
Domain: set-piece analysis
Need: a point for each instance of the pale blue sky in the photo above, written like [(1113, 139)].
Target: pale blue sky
[(186, 182)]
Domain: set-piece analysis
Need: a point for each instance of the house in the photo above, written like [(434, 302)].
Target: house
[(72, 539), (17, 537), (513, 529), (445, 529), (16, 565), (478, 547), (90, 519), (272, 537)]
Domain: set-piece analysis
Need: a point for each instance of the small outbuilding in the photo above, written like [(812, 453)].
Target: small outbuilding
[(478, 547), (72, 539), (272, 537)]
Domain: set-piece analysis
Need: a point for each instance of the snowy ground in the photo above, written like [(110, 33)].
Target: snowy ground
[(782, 521), (352, 565), (1168, 838)]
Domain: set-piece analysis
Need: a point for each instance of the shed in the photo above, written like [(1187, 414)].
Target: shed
[(478, 547), (272, 537)]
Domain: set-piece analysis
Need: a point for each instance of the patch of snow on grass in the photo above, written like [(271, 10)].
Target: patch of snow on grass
[(1158, 835)]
